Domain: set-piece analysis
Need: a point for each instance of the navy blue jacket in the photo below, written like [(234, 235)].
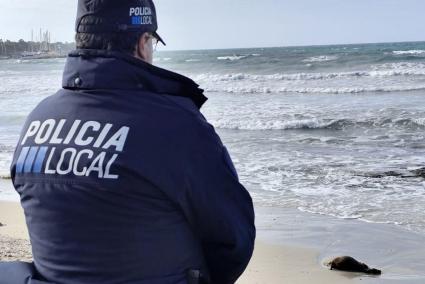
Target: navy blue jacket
[(122, 179)]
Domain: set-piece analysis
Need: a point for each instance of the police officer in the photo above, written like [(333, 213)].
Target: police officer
[(121, 178)]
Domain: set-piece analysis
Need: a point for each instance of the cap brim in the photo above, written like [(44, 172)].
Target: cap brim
[(155, 34)]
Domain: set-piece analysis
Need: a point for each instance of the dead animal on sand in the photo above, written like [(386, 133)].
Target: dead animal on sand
[(347, 263)]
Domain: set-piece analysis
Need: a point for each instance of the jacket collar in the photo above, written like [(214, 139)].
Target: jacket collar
[(100, 69)]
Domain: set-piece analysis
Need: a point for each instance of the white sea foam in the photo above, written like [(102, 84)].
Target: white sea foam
[(389, 77), (318, 90), (231, 57), (409, 52), (322, 58), (273, 124), (384, 71), (344, 214), (192, 60), (419, 121), (399, 65), (274, 77), (158, 59)]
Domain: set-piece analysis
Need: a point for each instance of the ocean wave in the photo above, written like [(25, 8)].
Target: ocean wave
[(310, 76), (9, 73), (158, 59), (192, 60), (316, 123), (279, 125), (41, 61), (275, 77), (314, 90), (313, 123), (6, 148), (400, 65), (409, 52), (419, 121), (12, 119), (232, 57), (322, 58)]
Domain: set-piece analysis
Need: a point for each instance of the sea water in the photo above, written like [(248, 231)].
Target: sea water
[(323, 129)]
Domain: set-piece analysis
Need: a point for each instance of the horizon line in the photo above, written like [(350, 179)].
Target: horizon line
[(296, 45), (257, 47)]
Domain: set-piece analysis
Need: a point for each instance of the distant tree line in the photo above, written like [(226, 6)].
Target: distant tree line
[(16, 49)]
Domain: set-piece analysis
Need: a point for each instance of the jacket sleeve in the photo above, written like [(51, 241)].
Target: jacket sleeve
[(218, 207)]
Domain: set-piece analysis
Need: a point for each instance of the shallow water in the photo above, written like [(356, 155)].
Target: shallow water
[(320, 153)]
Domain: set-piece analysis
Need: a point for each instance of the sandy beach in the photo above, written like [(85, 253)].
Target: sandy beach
[(270, 264), (291, 264)]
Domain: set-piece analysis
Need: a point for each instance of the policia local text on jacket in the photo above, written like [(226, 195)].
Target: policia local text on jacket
[(122, 180)]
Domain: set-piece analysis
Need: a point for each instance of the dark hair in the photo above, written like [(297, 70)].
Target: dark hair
[(125, 42)]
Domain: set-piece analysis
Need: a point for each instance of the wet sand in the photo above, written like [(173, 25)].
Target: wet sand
[(392, 249)]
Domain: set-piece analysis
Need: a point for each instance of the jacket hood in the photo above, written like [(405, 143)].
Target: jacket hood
[(100, 69)]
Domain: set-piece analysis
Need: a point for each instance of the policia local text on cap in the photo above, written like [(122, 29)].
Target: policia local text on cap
[(119, 18)]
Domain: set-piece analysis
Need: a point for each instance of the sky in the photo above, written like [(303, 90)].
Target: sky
[(212, 24)]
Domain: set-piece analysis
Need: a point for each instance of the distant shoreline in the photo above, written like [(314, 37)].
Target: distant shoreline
[(30, 58), (72, 45), (295, 46)]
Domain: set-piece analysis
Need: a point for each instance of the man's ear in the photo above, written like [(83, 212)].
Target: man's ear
[(143, 41), (142, 44)]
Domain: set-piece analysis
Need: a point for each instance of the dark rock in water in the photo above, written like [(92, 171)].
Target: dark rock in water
[(384, 174), (419, 172), (393, 174), (347, 263)]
